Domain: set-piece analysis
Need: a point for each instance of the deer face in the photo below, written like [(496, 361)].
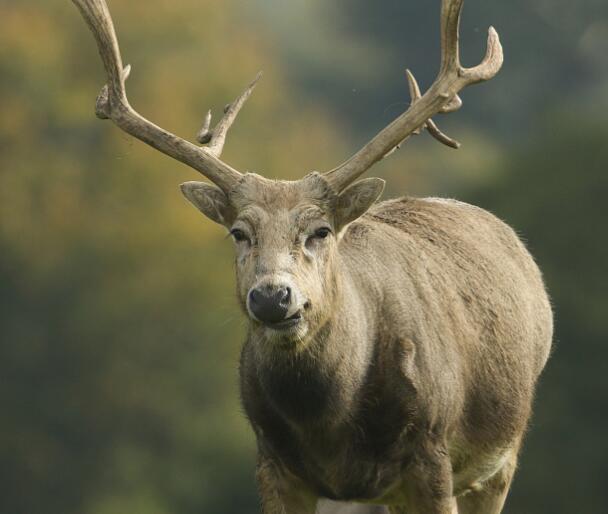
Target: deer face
[(287, 238)]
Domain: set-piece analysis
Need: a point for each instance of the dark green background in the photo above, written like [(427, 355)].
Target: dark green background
[(119, 331)]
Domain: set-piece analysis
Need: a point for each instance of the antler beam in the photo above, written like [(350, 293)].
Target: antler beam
[(113, 104), (442, 96)]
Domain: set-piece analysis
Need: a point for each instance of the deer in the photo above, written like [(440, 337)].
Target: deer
[(393, 347)]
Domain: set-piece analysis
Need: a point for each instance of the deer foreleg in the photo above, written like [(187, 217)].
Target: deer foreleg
[(429, 488), (280, 494)]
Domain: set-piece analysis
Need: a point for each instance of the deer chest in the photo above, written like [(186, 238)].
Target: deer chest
[(342, 453)]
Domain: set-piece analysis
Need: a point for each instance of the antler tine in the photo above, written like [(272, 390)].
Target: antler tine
[(216, 138), (442, 97), (430, 125), (112, 103), (451, 11), (491, 64)]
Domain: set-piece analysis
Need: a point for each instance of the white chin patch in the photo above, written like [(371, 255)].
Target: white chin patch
[(291, 334)]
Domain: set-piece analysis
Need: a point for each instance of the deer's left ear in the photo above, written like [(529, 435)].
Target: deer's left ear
[(356, 199), (210, 200)]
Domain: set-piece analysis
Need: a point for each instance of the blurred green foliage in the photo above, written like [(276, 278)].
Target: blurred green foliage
[(119, 332)]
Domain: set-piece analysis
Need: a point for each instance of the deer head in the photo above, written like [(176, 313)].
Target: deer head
[(287, 234)]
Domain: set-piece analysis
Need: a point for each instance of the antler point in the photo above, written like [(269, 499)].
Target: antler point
[(415, 92), (126, 72)]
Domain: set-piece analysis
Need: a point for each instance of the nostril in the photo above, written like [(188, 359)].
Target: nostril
[(254, 296), (284, 296)]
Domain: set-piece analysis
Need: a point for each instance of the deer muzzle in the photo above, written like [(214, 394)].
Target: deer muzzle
[(273, 305)]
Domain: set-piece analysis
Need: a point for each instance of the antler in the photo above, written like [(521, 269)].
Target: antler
[(442, 96), (112, 104)]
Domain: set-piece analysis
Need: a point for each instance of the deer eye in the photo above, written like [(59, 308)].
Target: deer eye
[(238, 235), (322, 233)]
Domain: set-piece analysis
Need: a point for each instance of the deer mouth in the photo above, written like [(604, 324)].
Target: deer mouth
[(287, 323)]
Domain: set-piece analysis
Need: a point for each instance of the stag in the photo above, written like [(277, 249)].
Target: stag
[(393, 347)]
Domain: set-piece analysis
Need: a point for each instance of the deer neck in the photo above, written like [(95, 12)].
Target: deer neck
[(318, 384)]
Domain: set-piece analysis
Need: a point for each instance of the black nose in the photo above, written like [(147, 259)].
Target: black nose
[(270, 304)]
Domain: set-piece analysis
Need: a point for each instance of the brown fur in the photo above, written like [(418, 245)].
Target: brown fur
[(401, 365), (411, 383)]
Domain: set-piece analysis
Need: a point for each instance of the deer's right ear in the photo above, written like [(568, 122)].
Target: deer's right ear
[(210, 200)]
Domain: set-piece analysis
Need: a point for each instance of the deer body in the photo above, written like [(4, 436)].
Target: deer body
[(439, 331), (393, 348)]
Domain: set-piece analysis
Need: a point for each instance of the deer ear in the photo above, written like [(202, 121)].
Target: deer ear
[(210, 200), (356, 199)]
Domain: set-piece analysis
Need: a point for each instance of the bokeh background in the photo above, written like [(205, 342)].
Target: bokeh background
[(119, 328)]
